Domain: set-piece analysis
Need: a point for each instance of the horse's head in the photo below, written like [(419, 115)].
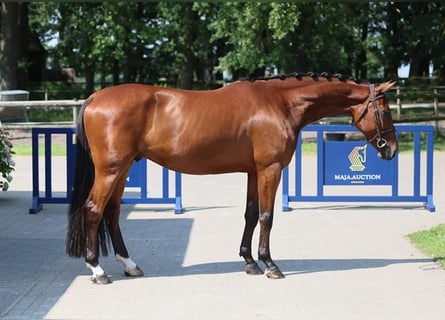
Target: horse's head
[(373, 118)]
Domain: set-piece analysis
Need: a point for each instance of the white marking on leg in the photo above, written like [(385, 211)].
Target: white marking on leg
[(97, 271), (127, 262)]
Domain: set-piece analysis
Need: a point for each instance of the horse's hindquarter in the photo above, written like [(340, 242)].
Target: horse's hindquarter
[(114, 122), (196, 132)]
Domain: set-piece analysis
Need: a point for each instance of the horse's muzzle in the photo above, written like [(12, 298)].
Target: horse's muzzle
[(387, 153)]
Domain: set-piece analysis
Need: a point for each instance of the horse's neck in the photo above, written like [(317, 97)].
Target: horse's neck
[(313, 102)]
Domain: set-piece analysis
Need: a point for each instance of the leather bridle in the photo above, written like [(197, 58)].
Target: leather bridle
[(378, 136)]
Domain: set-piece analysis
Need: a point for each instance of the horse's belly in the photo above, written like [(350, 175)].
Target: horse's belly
[(204, 161), (208, 167)]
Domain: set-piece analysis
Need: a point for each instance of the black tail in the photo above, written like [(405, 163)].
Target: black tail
[(83, 182)]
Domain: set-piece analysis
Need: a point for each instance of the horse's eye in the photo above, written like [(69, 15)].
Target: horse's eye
[(386, 114)]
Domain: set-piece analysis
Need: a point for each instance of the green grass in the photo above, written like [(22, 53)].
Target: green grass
[(26, 150), (406, 142), (432, 242)]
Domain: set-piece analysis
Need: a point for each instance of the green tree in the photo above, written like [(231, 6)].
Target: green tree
[(251, 32), (13, 39), (293, 36), (123, 45), (410, 33), (184, 42), (75, 25), (326, 38), (105, 38)]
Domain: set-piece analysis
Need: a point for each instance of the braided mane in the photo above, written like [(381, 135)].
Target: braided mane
[(313, 75)]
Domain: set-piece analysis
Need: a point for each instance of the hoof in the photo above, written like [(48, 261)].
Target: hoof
[(102, 279), (274, 273), (135, 272), (252, 268)]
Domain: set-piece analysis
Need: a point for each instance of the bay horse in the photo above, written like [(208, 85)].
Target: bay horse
[(248, 126)]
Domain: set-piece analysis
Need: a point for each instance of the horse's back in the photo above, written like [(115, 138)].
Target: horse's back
[(172, 127)]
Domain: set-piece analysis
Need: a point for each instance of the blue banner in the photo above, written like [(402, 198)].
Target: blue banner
[(137, 175), (355, 163)]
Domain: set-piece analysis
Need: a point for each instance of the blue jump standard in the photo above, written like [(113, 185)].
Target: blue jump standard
[(352, 163), (137, 177)]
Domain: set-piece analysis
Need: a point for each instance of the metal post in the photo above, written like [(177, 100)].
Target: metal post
[(36, 206), (436, 108), (75, 114), (285, 181)]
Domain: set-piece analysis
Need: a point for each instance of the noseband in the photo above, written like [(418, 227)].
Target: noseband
[(378, 136)]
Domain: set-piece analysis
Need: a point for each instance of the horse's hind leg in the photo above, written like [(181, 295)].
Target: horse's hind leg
[(251, 220), (106, 178), (94, 208), (112, 214)]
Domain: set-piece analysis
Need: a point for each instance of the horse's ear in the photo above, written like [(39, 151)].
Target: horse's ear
[(383, 87)]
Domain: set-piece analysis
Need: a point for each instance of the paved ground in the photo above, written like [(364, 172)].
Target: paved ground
[(341, 261)]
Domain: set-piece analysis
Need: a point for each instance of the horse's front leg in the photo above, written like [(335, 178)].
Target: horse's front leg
[(251, 220), (268, 180)]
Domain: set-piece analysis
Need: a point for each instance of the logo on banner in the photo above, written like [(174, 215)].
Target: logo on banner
[(357, 158), (352, 162)]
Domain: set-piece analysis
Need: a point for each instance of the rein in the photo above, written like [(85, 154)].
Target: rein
[(381, 142)]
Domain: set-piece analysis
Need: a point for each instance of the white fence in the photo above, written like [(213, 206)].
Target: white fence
[(73, 104)]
